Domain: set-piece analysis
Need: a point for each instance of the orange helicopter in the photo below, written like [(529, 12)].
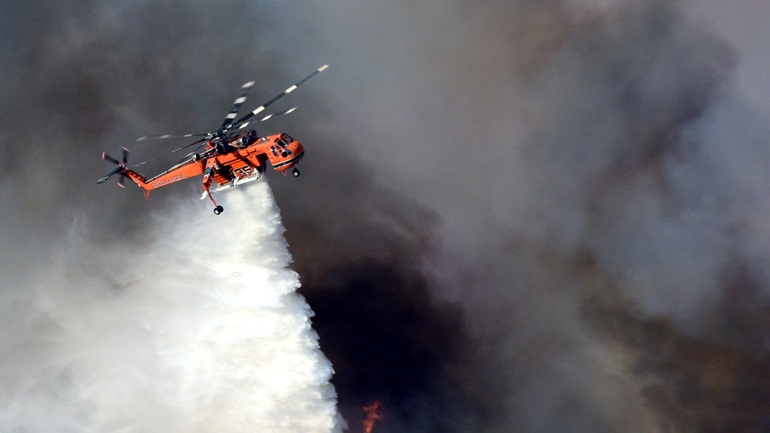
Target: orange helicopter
[(233, 155)]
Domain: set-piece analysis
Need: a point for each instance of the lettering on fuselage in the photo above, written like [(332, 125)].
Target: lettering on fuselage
[(161, 183)]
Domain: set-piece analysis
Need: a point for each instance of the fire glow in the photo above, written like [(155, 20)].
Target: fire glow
[(373, 414)]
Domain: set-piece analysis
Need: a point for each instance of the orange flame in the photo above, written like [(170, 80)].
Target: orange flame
[(373, 414)]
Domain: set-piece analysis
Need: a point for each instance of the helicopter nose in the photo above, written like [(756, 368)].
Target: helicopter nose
[(296, 147)]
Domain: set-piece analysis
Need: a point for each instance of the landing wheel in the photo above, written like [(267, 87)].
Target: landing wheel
[(218, 210), (295, 173)]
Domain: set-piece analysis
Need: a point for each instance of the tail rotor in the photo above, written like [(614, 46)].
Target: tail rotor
[(120, 169)]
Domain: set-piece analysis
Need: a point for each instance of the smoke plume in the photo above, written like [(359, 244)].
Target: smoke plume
[(513, 216)]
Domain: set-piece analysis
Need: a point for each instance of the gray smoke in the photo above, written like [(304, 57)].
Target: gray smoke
[(523, 215), (587, 160)]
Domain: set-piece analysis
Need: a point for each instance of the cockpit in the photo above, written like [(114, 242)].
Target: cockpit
[(281, 146)]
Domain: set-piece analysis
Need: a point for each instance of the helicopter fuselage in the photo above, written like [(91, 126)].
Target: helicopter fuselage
[(230, 163)]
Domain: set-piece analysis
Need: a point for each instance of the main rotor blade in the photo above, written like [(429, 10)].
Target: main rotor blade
[(270, 116), (163, 137), (237, 104), (190, 154), (169, 153), (284, 93)]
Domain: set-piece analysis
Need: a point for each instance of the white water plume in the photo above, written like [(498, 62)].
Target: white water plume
[(198, 329)]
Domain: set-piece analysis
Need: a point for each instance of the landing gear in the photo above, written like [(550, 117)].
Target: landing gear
[(295, 172), (207, 177)]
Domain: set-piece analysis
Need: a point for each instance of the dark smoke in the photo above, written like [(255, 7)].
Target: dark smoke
[(534, 216), (573, 152)]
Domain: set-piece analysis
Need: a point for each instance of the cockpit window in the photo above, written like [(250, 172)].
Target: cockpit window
[(284, 140)]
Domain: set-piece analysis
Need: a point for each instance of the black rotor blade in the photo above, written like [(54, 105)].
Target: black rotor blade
[(237, 104), (284, 93), (125, 156), (173, 151), (109, 175), (190, 154), (122, 181), (109, 158), (163, 137)]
